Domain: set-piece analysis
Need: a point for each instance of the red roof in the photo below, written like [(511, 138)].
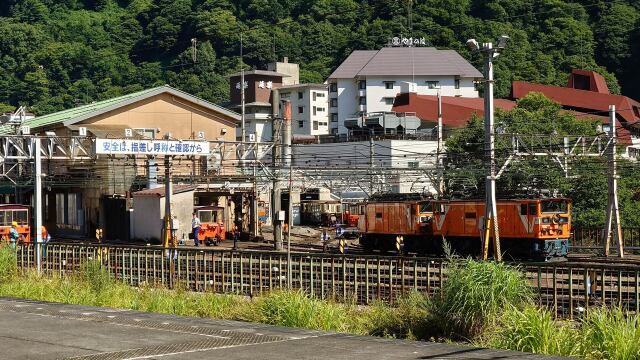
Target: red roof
[(159, 191), (456, 111), (588, 80)]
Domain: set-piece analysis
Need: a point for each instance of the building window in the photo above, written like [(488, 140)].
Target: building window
[(388, 100), (320, 94), (321, 109), (333, 87), (456, 83), (300, 110), (334, 131), (363, 100), (300, 95), (300, 123), (315, 110), (334, 102), (315, 125), (323, 124), (362, 85), (413, 164), (389, 85), (334, 118), (433, 84), (146, 133), (314, 95)]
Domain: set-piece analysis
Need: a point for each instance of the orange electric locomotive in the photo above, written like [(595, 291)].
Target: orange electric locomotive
[(388, 221), (529, 228)]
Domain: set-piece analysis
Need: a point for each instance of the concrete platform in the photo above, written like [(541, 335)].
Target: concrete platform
[(38, 330)]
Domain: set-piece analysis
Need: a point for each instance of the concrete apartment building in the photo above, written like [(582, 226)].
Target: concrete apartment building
[(264, 89), (309, 109), (368, 81)]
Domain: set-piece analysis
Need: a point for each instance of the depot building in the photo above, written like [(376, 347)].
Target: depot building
[(81, 196)]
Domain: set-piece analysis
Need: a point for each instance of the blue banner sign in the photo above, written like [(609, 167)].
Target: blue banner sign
[(151, 147)]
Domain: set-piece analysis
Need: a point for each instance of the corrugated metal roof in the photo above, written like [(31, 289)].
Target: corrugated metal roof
[(402, 61), (71, 116)]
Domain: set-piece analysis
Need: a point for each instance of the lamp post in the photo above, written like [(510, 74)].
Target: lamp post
[(490, 213)]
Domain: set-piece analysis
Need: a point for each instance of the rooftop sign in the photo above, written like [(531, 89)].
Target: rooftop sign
[(151, 147)]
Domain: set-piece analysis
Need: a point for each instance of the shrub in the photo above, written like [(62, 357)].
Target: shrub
[(610, 334), (475, 293), (534, 330), (8, 264)]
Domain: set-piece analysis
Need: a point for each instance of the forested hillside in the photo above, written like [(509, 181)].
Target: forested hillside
[(55, 54)]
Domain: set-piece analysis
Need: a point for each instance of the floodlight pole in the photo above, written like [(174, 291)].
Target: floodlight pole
[(242, 120), (490, 212)]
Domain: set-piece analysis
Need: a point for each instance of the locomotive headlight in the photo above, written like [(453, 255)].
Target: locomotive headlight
[(546, 220)]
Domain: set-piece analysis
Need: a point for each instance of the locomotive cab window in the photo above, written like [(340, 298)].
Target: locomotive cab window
[(469, 215), (426, 207), (533, 209), (554, 206), (378, 215), (523, 209)]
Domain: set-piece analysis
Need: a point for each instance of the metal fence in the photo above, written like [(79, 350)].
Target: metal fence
[(592, 237), (567, 290)]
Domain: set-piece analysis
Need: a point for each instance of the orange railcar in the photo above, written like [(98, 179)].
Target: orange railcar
[(528, 227), (212, 229), (387, 224), (20, 214)]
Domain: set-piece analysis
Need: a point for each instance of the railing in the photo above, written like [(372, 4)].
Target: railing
[(355, 278), (591, 237)]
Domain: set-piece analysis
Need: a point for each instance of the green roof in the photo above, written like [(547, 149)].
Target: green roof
[(70, 116)]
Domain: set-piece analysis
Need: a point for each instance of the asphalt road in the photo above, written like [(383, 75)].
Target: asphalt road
[(37, 330)]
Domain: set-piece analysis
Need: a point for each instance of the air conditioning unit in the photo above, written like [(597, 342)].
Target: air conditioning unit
[(82, 131), (128, 132)]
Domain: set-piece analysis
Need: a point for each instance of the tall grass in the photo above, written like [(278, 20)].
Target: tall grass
[(534, 330), (476, 293), (610, 334), (8, 264)]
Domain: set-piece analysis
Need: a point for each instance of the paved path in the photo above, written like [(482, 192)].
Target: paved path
[(38, 330)]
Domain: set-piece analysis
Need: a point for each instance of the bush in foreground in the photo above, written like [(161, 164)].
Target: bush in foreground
[(476, 293)]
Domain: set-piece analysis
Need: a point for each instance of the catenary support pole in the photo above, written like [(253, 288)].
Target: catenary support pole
[(38, 201), (612, 224), (254, 203), (168, 191)]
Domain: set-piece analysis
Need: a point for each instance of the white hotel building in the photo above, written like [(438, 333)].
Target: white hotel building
[(309, 108), (368, 81)]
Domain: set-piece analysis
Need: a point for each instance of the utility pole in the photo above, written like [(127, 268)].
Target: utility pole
[(38, 201), (440, 149), (243, 130), (289, 277), (491, 210), (613, 213), (277, 186)]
